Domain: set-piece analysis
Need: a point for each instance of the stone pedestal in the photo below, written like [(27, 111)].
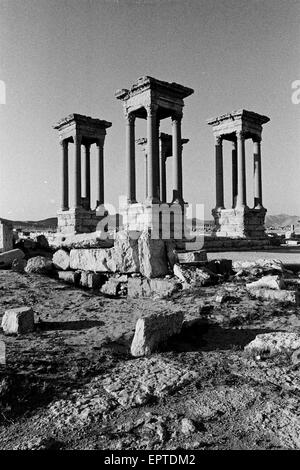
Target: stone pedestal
[(240, 223), (77, 220), (6, 237), (166, 221)]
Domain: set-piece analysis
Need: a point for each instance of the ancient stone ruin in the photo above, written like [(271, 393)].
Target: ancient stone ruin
[(239, 221), (82, 131)]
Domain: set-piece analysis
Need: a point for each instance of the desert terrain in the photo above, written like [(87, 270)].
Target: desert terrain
[(72, 383)]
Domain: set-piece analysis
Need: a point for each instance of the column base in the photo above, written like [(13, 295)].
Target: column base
[(240, 222), (166, 221), (77, 220)]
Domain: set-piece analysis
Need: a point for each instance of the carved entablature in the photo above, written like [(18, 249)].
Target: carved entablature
[(89, 130), (228, 125), (148, 91)]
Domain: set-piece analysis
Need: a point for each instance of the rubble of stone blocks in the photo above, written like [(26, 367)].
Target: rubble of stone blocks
[(18, 321)]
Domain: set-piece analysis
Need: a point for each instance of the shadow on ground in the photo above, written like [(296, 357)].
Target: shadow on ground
[(69, 325), (211, 338)]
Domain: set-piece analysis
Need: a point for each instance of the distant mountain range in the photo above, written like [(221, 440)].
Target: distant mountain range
[(280, 220)]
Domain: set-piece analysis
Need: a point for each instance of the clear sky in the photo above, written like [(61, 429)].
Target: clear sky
[(64, 56)]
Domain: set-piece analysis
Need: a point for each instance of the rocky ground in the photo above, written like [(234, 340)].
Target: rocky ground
[(72, 384)]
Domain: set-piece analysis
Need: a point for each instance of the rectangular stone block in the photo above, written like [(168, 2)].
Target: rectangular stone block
[(18, 321), (6, 237), (286, 296), (92, 280), (70, 277), (192, 256), (7, 258), (95, 259), (153, 329), (139, 287)]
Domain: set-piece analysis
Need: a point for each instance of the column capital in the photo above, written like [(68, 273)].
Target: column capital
[(87, 145), (151, 109), (257, 139), (77, 138), (64, 143), (177, 116), (218, 139), (240, 135), (100, 143), (130, 118)]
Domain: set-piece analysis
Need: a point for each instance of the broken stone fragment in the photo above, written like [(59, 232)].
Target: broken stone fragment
[(187, 426), (138, 287), (125, 252), (287, 296), (272, 344), (61, 260), (93, 259), (194, 275), (264, 265), (153, 329), (8, 257), (70, 277), (18, 321), (39, 265), (113, 287), (152, 256), (269, 282), (2, 353), (197, 256)]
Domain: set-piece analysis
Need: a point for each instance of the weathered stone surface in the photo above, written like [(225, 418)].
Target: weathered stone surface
[(92, 280), (18, 321), (82, 240), (287, 296), (94, 259), (269, 282), (187, 426), (39, 265), (70, 277), (194, 275), (296, 357), (192, 256), (6, 237), (140, 287), (7, 258), (152, 256), (271, 344), (61, 260), (265, 266), (114, 287), (2, 352), (125, 253), (153, 329), (172, 255), (18, 265)]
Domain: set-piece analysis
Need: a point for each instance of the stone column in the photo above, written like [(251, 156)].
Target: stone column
[(257, 179), (146, 174), (88, 175), (163, 180), (152, 153), (219, 173), (241, 192), (100, 188), (130, 157), (177, 157), (234, 173), (77, 186), (65, 176)]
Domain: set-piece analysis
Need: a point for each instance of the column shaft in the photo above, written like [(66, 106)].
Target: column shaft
[(219, 174), (257, 179), (130, 158), (241, 193), (100, 189), (77, 186), (152, 142), (65, 176), (177, 158), (163, 179), (88, 175), (234, 173), (146, 174)]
